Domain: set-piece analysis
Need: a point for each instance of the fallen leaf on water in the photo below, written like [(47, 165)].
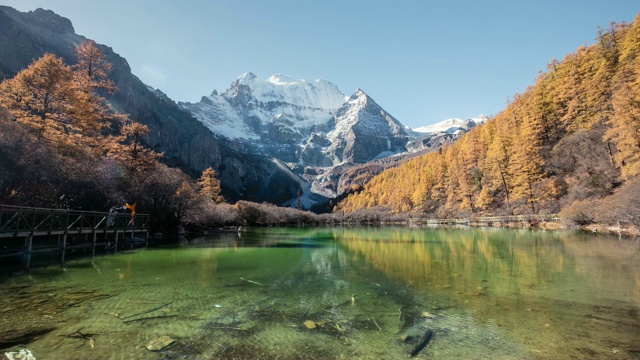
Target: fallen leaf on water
[(310, 324)]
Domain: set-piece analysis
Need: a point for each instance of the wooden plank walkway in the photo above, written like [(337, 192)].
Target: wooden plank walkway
[(33, 224)]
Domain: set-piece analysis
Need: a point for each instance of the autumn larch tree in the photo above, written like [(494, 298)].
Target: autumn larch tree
[(90, 75), (210, 185), (40, 96)]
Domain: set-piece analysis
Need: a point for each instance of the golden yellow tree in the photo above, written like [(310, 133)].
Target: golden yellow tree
[(128, 146), (527, 161), (498, 168), (624, 128), (90, 75), (210, 185), (40, 96)]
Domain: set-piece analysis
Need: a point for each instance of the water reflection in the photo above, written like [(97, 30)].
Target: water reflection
[(341, 293), (561, 293)]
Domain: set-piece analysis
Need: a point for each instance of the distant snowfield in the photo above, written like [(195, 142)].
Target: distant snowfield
[(450, 125)]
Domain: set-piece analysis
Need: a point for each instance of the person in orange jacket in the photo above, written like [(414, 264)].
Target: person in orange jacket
[(133, 211)]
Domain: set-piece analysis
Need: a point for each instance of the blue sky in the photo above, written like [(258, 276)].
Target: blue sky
[(423, 61)]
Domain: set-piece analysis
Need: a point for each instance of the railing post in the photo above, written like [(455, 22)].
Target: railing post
[(93, 252), (64, 247), (29, 240)]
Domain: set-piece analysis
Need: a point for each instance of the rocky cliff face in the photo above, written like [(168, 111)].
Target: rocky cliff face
[(301, 122), (185, 141)]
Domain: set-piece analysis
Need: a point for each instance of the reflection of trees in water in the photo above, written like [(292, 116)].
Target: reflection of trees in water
[(547, 289), (467, 264)]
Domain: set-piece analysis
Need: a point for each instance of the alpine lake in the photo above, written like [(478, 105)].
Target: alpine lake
[(337, 293)]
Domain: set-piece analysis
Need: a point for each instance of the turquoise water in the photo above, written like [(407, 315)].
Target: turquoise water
[(367, 293)]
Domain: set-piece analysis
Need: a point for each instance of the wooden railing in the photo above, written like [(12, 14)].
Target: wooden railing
[(29, 224)]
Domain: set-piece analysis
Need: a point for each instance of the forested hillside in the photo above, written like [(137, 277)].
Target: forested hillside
[(63, 146), (570, 143)]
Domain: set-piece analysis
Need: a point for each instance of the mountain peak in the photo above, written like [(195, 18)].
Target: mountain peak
[(282, 92), (50, 20), (359, 94), (247, 77)]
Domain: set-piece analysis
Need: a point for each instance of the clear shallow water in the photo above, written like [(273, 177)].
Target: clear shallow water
[(485, 294)]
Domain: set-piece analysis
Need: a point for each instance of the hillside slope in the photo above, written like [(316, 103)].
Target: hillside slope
[(570, 139)]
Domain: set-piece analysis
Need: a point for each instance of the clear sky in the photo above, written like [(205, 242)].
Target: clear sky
[(423, 61)]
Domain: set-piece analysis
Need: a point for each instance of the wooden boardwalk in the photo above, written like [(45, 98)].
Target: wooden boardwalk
[(25, 231)]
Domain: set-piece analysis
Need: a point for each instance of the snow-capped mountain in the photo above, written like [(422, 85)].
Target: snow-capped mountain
[(268, 139), (364, 131), (301, 122), (253, 107), (312, 128)]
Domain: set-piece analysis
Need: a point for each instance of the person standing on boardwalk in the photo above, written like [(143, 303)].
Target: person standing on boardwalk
[(133, 211)]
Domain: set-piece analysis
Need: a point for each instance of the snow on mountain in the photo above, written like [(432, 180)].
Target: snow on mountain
[(220, 117), (306, 103), (349, 116), (450, 126), (443, 126), (253, 107), (363, 131)]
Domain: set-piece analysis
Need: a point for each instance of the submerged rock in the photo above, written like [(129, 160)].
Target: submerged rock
[(23, 354), (160, 343)]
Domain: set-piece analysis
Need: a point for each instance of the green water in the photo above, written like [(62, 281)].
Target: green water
[(369, 293)]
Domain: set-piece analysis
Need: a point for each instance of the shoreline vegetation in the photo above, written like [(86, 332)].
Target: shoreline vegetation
[(248, 214)]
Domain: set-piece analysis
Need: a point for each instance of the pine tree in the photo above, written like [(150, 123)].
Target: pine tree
[(128, 147), (498, 168)]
